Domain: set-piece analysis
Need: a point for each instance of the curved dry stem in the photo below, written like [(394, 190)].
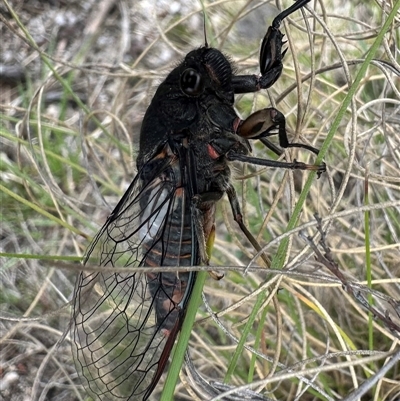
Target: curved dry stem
[(310, 335)]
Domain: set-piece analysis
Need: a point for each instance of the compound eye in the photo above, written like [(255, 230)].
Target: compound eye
[(192, 82)]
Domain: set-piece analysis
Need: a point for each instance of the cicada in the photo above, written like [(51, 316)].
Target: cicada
[(125, 324)]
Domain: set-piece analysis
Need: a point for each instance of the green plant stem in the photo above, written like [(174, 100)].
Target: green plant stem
[(41, 257), (181, 346), (257, 341), (40, 210)]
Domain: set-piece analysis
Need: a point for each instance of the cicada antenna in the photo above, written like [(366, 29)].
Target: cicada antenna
[(203, 8), (205, 29)]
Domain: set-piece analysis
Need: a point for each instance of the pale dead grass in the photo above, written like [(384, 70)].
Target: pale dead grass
[(312, 325)]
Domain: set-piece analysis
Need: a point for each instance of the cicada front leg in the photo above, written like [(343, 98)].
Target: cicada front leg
[(271, 56)]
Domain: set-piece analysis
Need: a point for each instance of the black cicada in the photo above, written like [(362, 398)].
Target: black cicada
[(125, 324)]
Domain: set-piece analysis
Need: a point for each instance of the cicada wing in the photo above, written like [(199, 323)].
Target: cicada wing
[(121, 321)]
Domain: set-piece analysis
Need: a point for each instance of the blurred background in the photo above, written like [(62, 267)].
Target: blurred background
[(76, 78)]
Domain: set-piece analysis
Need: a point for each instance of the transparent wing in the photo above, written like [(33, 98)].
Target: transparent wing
[(124, 325)]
